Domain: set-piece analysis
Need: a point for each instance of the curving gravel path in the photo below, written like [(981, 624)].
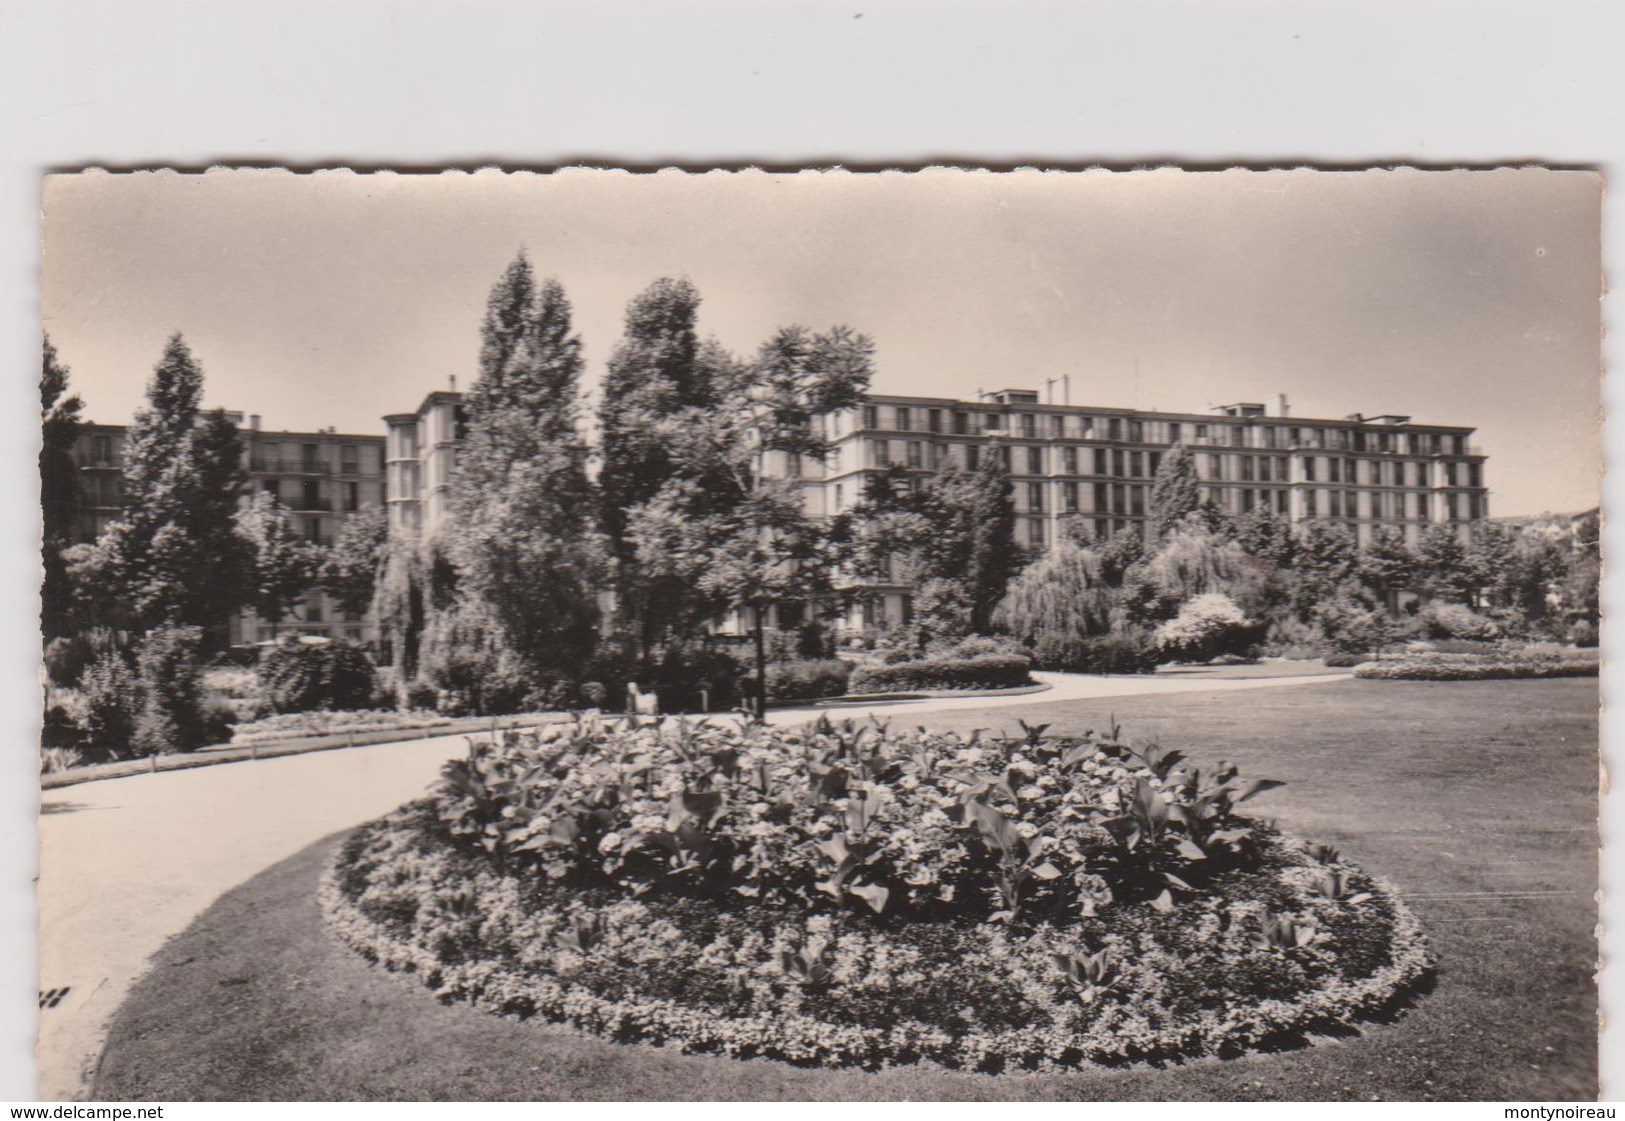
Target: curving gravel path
[(127, 863)]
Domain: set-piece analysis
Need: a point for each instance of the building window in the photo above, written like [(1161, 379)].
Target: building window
[(1035, 497), (1281, 500), (1114, 428), (1337, 504), (1069, 496), (1069, 460), (878, 454), (1215, 467), (1102, 462), (1201, 431), (792, 465), (1173, 432), (349, 462), (310, 457), (1118, 460), (103, 454), (991, 422), (1136, 431), (1334, 470), (352, 496), (934, 420), (1005, 457), (1246, 468), (902, 419), (914, 459), (312, 499), (313, 529), (1102, 504), (961, 424), (972, 457), (1136, 497), (1057, 425), (871, 416), (273, 487), (840, 493), (1136, 465), (1035, 461), (1309, 503)]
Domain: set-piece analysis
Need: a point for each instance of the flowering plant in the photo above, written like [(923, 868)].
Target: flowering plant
[(848, 817)]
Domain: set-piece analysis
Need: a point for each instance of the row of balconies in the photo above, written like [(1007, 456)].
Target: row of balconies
[(1210, 441)]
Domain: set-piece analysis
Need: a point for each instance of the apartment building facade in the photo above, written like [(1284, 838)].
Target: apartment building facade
[(420, 456), (1093, 467), (323, 478)]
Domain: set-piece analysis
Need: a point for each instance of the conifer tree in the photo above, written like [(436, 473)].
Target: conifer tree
[(174, 556), (60, 418), (1175, 493), (522, 538)]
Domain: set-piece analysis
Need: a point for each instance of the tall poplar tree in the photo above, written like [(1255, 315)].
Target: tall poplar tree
[(523, 540)]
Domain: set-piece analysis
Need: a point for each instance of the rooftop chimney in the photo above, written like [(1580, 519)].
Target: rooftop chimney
[(1279, 406), (454, 383), (253, 422)]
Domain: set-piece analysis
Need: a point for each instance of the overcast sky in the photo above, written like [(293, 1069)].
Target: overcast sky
[(1465, 298)]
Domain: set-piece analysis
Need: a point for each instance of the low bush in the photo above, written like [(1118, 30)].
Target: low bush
[(1131, 650), (66, 660), (295, 725), (985, 671), (1343, 661), (1583, 633), (805, 680), (304, 677), (1463, 646), (1207, 627), (1454, 620), (844, 895), (1508, 665)]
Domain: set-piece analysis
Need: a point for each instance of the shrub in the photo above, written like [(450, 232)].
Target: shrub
[(1341, 661), (66, 660), (111, 696), (303, 677), (1206, 627), (986, 671), (976, 645), (170, 718), (805, 680), (1352, 627), (1475, 667), (842, 895), (1130, 650), (1583, 633), (1453, 620)]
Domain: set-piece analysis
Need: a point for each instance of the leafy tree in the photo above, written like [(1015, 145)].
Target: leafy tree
[(523, 544), (1265, 534), (1386, 565), (175, 557), (1175, 493), (1441, 565), (1064, 592), (60, 418), (283, 564), (659, 371), (718, 524), (1324, 563), (351, 568)]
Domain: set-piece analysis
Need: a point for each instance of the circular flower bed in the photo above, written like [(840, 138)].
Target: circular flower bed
[(848, 895)]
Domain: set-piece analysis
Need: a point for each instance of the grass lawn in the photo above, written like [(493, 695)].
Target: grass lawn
[(1478, 799)]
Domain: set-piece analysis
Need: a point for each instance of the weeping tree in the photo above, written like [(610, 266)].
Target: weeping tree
[(1063, 592)]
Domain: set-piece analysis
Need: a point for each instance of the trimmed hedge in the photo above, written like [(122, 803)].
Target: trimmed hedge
[(986, 671), (1467, 667), (807, 679)]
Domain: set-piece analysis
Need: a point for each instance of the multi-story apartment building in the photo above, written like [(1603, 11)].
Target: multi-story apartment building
[(422, 452), (1087, 464), (1096, 465), (322, 478)]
